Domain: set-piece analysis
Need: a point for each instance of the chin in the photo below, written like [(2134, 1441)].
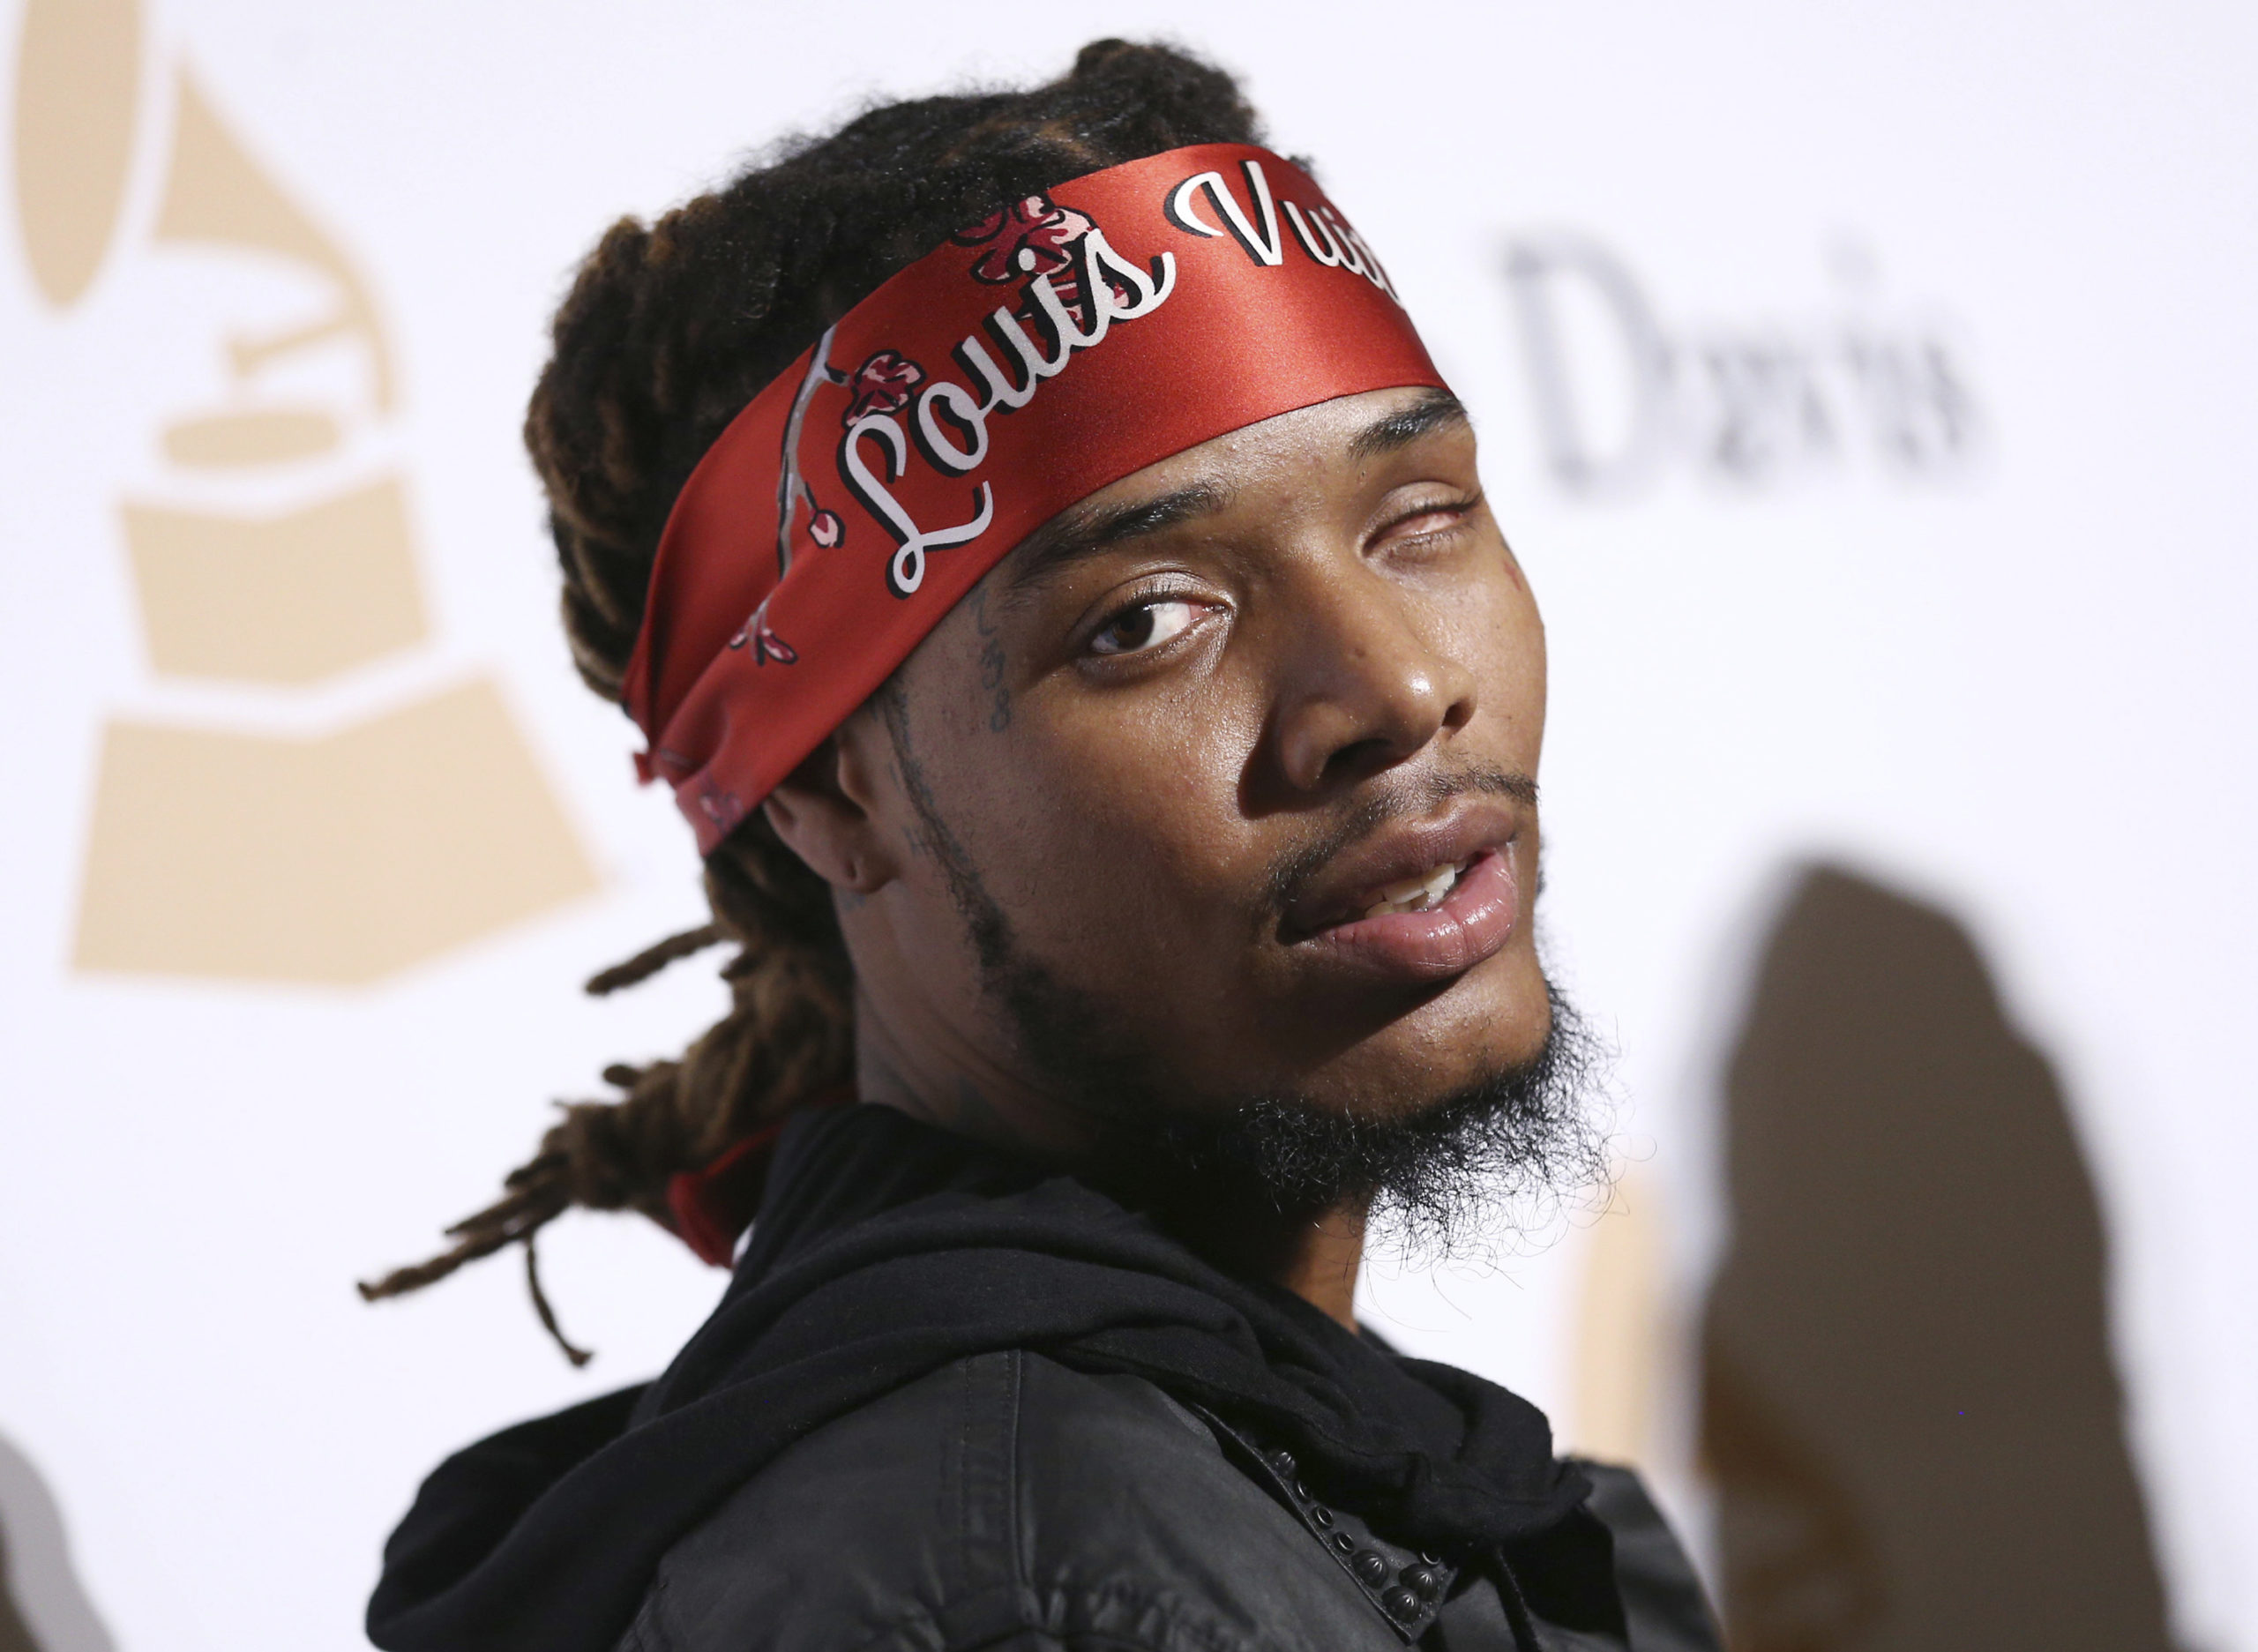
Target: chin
[(1428, 1140), (1491, 1022)]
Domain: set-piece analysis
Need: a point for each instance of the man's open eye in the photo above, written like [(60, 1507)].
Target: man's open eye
[(1146, 625)]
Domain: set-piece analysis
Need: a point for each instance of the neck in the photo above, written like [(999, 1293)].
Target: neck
[(1315, 1256)]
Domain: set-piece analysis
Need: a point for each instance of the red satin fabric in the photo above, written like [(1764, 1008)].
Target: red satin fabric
[(713, 1205), (1210, 288)]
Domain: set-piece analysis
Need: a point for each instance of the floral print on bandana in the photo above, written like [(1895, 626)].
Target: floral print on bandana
[(882, 384), (1029, 238)]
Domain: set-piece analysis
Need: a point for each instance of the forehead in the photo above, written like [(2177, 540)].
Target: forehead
[(1332, 442)]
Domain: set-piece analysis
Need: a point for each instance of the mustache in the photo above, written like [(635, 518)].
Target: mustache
[(1395, 797)]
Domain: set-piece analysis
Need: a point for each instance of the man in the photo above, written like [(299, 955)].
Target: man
[(1059, 588)]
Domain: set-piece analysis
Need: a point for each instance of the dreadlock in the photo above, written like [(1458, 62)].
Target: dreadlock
[(668, 330)]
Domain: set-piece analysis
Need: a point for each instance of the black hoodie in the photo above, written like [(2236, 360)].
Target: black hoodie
[(884, 1249)]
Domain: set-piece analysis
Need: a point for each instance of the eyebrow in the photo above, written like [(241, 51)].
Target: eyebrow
[(1082, 532), (1436, 410), (1078, 534)]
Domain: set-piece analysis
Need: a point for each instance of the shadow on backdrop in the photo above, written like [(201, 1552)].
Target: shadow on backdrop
[(42, 1606), (1909, 1404)]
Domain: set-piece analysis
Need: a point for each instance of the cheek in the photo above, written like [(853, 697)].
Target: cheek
[(1499, 637), (1125, 813)]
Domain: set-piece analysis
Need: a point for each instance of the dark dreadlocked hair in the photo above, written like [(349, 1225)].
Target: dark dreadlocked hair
[(669, 329)]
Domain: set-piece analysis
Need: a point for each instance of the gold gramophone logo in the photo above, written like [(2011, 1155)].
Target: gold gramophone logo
[(250, 852)]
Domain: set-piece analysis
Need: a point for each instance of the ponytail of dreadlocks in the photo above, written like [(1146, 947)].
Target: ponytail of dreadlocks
[(668, 330)]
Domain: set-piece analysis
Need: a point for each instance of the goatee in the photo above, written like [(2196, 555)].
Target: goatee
[(1438, 1180)]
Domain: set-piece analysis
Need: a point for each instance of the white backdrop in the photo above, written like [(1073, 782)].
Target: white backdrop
[(1985, 642)]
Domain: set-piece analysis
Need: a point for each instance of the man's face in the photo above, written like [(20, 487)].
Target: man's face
[(1172, 759)]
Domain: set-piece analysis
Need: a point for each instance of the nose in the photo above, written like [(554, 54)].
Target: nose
[(1368, 680)]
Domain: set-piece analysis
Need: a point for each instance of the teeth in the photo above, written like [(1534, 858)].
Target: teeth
[(1416, 895)]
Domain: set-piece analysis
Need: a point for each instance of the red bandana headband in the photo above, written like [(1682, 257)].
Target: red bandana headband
[(1055, 348)]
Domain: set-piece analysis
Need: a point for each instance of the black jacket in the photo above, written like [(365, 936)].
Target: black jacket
[(1007, 1501), (950, 1402)]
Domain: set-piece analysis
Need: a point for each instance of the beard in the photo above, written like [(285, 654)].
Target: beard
[(1435, 1180), (1504, 1150)]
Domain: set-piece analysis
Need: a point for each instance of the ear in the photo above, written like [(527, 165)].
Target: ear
[(826, 812)]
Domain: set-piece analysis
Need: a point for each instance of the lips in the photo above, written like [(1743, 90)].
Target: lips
[(1473, 923), (1421, 902)]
